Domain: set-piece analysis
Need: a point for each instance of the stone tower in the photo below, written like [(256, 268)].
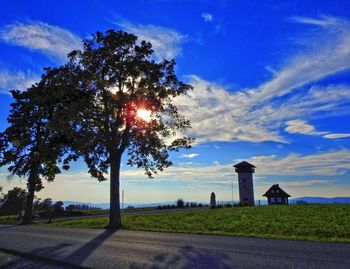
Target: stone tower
[(245, 172)]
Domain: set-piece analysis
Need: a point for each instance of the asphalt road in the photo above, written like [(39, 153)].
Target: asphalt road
[(10, 261), (129, 249)]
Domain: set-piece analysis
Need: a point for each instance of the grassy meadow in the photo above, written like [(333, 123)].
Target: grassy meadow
[(8, 219), (303, 222)]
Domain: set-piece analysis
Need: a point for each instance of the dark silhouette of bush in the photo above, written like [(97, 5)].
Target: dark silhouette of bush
[(180, 203), (13, 202)]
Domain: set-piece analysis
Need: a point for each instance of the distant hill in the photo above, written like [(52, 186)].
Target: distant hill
[(106, 205), (323, 200), (310, 200)]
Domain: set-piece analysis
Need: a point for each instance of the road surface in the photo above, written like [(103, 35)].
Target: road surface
[(91, 248), (10, 261)]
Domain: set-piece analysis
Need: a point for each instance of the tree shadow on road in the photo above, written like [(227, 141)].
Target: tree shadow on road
[(59, 251), (187, 257), (54, 251), (82, 253)]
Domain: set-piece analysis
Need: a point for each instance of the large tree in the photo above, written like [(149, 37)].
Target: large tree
[(130, 109), (34, 142)]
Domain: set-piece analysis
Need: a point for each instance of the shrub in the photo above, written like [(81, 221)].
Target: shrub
[(180, 202)]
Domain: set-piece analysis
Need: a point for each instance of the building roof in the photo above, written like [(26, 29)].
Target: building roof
[(274, 187), (243, 164)]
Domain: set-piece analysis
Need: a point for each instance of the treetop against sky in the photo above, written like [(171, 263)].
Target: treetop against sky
[(271, 85)]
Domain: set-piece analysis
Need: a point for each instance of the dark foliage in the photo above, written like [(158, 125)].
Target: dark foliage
[(80, 207), (12, 202), (119, 77), (33, 143), (180, 202)]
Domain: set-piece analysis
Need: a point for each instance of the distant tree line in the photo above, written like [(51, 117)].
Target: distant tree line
[(12, 203), (180, 203), (81, 207)]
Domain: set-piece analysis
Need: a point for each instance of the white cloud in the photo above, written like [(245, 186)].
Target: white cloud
[(258, 114), (322, 164), (207, 17), (333, 48), (318, 164), (190, 156), (43, 37), (301, 127), (210, 173), (16, 80), (336, 136), (218, 115), (305, 183), (312, 168), (324, 21), (165, 42)]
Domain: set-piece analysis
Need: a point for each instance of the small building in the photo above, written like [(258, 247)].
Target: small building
[(276, 196)]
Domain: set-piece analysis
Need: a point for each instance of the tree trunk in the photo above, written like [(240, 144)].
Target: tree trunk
[(114, 211), (28, 214)]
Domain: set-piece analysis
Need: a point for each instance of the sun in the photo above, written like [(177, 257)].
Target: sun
[(144, 114)]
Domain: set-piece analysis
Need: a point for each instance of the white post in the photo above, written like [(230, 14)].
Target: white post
[(122, 199), (232, 192)]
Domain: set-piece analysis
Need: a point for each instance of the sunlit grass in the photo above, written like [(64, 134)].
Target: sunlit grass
[(304, 222)]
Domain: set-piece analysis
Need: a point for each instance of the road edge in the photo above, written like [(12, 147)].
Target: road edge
[(42, 259)]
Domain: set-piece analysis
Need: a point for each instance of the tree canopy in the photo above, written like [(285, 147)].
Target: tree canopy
[(122, 79), (109, 98), (34, 143)]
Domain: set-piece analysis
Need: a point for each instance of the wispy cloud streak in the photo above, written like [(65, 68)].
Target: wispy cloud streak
[(259, 114), (16, 80), (39, 36), (166, 42)]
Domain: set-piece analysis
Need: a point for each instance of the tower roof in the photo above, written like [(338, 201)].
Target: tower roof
[(243, 164)]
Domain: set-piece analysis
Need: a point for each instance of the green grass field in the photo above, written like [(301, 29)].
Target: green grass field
[(106, 211), (8, 219), (303, 222)]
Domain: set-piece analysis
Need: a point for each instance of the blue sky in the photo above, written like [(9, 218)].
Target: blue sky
[(271, 86)]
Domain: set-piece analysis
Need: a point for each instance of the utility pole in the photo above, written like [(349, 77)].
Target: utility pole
[(232, 193)]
